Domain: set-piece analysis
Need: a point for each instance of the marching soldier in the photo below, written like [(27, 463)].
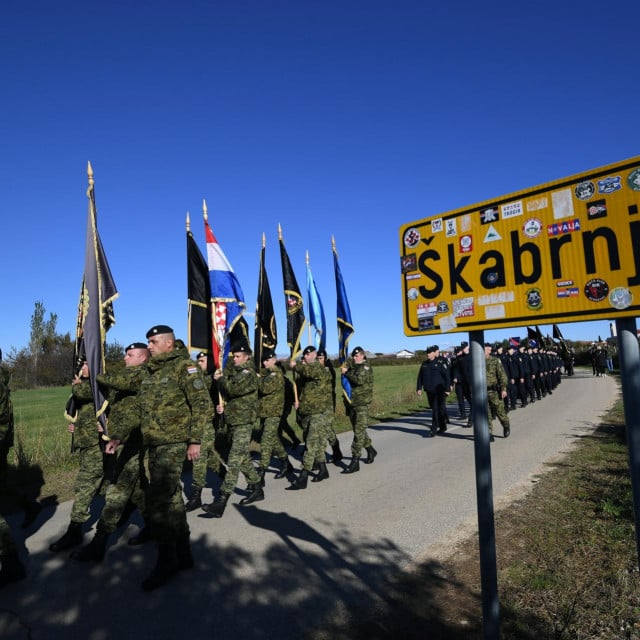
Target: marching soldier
[(173, 409), (331, 436), (239, 386), (129, 478), (315, 410), (11, 569), (87, 434), (496, 391), (360, 376), (433, 378), (210, 457), (270, 404)]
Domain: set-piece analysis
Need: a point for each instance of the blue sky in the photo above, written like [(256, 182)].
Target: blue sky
[(330, 118)]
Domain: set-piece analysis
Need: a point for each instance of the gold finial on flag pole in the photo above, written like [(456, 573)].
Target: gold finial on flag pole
[(205, 214), (279, 232), (264, 242), (188, 222)]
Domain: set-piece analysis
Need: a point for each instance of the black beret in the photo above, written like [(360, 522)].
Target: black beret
[(488, 344), (322, 352), (159, 329), (268, 353), (431, 349), (308, 350), (464, 344), (241, 347), (356, 351), (135, 345), (201, 354)]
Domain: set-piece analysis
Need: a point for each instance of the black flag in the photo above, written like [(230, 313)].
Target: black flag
[(199, 331), (293, 301), (95, 309), (265, 334)]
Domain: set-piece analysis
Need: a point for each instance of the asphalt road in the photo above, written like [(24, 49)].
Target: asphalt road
[(283, 566)]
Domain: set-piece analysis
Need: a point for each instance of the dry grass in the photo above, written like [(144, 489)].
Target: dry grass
[(567, 562)]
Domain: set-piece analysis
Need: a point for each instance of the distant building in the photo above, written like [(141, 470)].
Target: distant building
[(405, 353)]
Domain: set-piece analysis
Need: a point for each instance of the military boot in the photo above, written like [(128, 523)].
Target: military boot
[(71, 538), (372, 453), (337, 454), (300, 482), (322, 474), (256, 494), (285, 469), (353, 466), (95, 550), (195, 499), (142, 537), (217, 507), (166, 567), (261, 474), (12, 569), (183, 553)]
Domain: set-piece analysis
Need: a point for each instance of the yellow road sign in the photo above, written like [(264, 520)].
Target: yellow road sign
[(564, 251)]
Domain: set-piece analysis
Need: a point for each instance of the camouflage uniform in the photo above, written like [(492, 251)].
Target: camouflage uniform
[(270, 405), (360, 376), (86, 440), (315, 408), (6, 422), (497, 382), (209, 458), (239, 385), (7, 544), (329, 431), (173, 409), (129, 480)]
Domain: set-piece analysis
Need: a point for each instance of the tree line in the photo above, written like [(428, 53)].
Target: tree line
[(48, 360)]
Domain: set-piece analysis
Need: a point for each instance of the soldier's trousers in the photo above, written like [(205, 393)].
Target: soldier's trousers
[(437, 402), (165, 508), (359, 423), (270, 443), (330, 432), (129, 485), (88, 481), (315, 426), (496, 408), (512, 394), (239, 458), (209, 457)]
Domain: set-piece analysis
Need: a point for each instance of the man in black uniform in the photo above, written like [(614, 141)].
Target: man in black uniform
[(433, 377)]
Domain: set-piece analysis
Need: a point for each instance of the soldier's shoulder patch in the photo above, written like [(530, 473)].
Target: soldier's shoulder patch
[(367, 367), (246, 371), (191, 370), (198, 383)]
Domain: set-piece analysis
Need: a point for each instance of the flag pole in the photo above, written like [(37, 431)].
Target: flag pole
[(309, 324)]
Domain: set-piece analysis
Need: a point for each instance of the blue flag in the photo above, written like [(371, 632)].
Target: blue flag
[(343, 315), (316, 312)]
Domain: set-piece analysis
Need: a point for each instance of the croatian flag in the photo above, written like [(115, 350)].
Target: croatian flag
[(226, 297)]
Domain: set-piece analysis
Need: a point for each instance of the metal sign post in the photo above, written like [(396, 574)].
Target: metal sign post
[(630, 378), (484, 487)]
